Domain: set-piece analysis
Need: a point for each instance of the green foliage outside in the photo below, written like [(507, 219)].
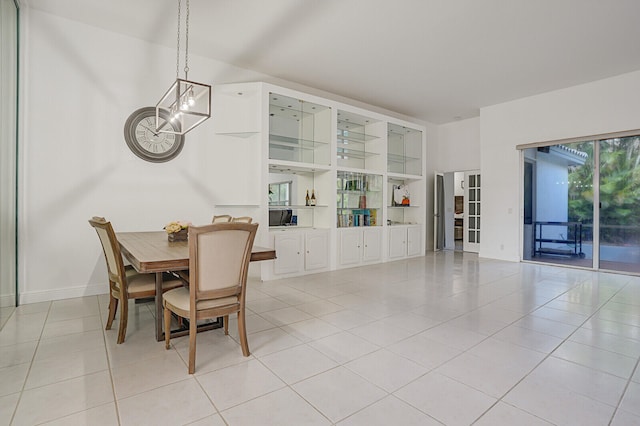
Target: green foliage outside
[(619, 190)]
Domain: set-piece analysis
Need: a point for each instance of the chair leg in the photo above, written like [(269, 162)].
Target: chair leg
[(225, 321), (167, 327), (193, 330), (242, 332), (113, 307), (124, 316)]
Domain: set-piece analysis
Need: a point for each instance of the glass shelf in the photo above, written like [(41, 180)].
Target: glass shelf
[(358, 142), (299, 131), (400, 158), (298, 150), (286, 141), (404, 150), (350, 136), (296, 168), (346, 153), (294, 207), (358, 199)]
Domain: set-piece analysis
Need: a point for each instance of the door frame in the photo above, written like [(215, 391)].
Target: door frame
[(468, 246), (438, 220)]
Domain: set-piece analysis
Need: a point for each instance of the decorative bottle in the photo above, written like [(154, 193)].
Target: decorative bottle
[(306, 199), (313, 197)]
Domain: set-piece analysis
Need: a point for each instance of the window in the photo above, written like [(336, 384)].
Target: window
[(280, 194)]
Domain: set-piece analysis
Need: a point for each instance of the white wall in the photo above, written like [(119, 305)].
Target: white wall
[(458, 184), (603, 106), (79, 84), (457, 149), (458, 146)]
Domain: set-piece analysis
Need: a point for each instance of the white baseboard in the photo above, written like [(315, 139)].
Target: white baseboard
[(63, 293), (7, 300)]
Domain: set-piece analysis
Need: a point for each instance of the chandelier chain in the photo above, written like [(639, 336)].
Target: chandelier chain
[(186, 44), (178, 42)]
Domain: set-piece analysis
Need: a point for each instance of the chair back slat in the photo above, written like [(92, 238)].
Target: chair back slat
[(243, 219), (224, 218)]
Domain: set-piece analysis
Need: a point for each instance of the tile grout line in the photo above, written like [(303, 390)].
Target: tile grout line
[(104, 339), (624, 392), (552, 351), (35, 351)]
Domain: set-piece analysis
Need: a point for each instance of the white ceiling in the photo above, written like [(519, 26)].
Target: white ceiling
[(436, 60)]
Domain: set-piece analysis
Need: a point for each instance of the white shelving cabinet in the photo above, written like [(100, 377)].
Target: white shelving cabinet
[(299, 130), (300, 251), (290, 142), (404, 150), (357, 246), (405, 241), (359, 142)]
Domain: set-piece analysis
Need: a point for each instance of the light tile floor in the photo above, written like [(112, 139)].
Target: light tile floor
[(444, 339)]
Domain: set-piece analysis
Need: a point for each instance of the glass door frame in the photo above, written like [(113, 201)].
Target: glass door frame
[(596, 140), (438, 212), (476, 214), (9, 146)]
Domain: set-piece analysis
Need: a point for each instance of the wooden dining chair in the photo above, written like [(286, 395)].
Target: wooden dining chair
[(124, 282), (242, 219), (219, 256), (223, 218)]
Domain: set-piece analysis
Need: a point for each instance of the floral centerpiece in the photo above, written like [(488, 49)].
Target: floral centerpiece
[(177, 231)]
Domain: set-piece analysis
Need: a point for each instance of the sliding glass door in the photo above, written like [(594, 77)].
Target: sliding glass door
[(619, 183), (558, 204), (581, 204)]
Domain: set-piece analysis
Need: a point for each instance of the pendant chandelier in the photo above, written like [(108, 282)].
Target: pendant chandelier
[(186, 103)]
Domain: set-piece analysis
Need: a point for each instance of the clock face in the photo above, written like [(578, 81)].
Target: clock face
[(145, 142)]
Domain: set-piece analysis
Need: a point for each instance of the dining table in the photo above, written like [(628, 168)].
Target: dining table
[(152, 252)]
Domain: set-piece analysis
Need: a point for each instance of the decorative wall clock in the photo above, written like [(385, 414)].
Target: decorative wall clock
[(145, 142)]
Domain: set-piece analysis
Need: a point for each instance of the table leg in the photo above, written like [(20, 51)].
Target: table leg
[(159, 313)]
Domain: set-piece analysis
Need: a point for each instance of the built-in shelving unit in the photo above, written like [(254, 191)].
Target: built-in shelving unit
[(299, 130), (358, 140), (295, 143), (405, 182), (404, 150), (359, 198)]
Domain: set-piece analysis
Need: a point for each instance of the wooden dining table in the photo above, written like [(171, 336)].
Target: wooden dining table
[(152, 252)]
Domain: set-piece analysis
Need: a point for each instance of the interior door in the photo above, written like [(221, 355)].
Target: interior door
[(438, 212), (472, 197)]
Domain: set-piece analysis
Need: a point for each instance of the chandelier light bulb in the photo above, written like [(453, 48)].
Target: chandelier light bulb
[(191, 98), (175, 114)]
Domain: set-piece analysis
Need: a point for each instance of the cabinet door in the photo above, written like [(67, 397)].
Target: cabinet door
[(317, 250), (414, 240), (288, 247), (372, 242), (397, 242), (350, 246)]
